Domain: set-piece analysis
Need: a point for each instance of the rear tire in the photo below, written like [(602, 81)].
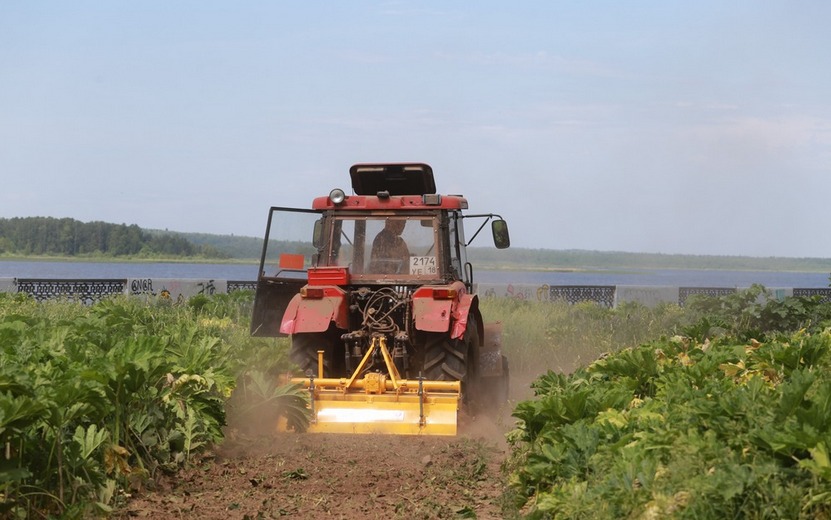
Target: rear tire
[(472, 387), (445, 359), (304, 347)]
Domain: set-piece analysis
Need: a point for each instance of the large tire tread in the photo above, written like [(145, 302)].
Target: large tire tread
[(304, 347), (447, 359), (443, 359)]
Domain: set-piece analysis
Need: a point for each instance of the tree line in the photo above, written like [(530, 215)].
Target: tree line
[(583, 259), (70, 237)]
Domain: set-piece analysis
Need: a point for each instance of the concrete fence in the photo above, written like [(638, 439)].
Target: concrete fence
[(89, 291), (92, 290)]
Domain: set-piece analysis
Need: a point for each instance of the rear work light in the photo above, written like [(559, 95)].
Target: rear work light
[(444, 294), (311, 293), (337, 196)]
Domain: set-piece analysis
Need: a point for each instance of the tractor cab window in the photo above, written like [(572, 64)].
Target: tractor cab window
[(390, 253), (290, 246), (398, 246)]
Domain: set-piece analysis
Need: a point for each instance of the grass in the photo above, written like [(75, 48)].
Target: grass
[(561, 337)]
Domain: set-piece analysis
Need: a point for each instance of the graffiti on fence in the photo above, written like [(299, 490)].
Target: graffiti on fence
[(141, 286), (177, 290), (525, 292)]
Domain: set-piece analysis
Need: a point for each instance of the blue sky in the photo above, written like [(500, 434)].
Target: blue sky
[(674, 127)]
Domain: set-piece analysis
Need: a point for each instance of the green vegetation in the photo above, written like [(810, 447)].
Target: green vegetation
[(561, 337), (37, 236), (717, 409), (728, 419), (231, 246), (95, 400)]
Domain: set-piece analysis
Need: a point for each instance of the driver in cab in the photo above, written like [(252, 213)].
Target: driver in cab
[(390, 254)]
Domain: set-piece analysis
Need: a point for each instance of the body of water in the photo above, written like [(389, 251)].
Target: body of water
[(119, 270), (244, 272), (660, 277)]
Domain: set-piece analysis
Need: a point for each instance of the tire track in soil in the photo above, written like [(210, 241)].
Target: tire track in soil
[(277, 475), (258, 474)]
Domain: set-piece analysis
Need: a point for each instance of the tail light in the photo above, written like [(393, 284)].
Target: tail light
[(311, 293), (444, 293)]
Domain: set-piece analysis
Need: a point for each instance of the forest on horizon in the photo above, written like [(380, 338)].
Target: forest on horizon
[(66, 237)]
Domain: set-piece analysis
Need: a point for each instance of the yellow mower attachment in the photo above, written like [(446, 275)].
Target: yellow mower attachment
[(381, 403)]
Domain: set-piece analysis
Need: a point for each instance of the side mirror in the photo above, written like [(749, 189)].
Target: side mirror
[(501, 239), (317, 234)]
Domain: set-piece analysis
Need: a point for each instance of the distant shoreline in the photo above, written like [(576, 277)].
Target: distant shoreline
[(203, 248), (622, 263)]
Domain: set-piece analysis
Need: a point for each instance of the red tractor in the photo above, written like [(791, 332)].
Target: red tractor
[(380, 304)]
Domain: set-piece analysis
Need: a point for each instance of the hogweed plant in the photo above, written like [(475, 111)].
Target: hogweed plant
[(94, 397), (729, 422)]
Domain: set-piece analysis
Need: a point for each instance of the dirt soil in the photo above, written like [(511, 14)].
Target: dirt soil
[(272, 475)]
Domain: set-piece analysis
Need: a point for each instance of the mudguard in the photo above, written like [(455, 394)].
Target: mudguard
[(432, 315), (461, 313), (436, 315), (314, 315)]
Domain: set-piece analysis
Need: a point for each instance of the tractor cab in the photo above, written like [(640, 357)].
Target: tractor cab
[(394, 230)]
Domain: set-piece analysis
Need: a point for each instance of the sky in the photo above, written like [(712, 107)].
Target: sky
[(663, 127)]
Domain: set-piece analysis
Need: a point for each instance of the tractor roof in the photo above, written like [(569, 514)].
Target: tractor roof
[(396, 179)]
